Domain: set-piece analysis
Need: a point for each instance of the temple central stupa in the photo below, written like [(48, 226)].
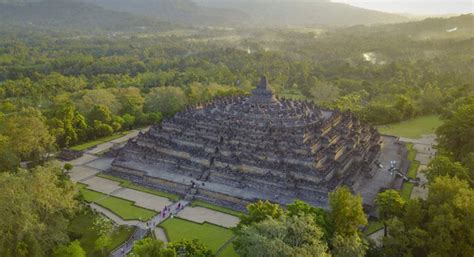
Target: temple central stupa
[(235, 150)]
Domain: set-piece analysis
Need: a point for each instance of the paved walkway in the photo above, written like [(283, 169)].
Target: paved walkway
[(424, 154), (107, 145), (201, 215)]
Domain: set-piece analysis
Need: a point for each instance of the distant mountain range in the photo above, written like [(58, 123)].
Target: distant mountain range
[(132, 14), (76, 15), (305, 13)]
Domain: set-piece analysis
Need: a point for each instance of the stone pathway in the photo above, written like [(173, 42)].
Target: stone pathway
[(145, 200), (201, 215), (424, 154), (160, 234)]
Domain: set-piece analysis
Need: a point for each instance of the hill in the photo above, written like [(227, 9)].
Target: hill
[(176, 11), (296, 13), (252, 13), (62, 14)]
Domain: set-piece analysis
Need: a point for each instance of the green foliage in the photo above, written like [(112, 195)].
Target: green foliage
[(439, 226), (457, 133), (73, 249), (68, 167), (321, 218), (259, 211), (34, 206), (346, 212), (284, 236), (166, 100), (149, 247), (389, 205), (443, 166), (82, 228), (29, 137), (212, 236)]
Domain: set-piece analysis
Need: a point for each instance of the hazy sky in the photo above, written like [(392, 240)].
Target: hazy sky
[(420, 7)]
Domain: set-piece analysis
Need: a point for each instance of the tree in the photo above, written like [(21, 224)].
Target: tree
[(352, 246), (389, 204), (259, 211), (34, 206), (281, 237), (167, 100), (29, 136), (68, 125), (443, 166), (9, 161), (74, 249), (149, 247), (346, 212), (104, 229), (189, 248), (440, 226), (321, 218), (457, 133)]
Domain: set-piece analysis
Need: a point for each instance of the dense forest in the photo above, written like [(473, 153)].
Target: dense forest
[(62, 84)]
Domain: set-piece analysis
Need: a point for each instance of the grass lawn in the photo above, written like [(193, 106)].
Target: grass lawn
[(99, 141), (228, 252), (216, 208), (81, 228), (413, 128), (210, 235), (407, 188), (373, 227), (127, 210), (131, 185)]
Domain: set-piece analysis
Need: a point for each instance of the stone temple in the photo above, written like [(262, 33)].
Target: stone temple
[(236, 150)]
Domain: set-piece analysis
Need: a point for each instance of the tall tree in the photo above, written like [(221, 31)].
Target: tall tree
[(259, 211), (457, 133), (346, 212), (282, 237), (29, 135), (34, 206), (389, 204), (73, 249)]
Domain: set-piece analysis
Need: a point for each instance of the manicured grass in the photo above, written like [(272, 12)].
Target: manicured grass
[(228, 252), (411, 151), (82, 228), (374, 226), (99, 141), (407, 188), (210, 235), (125, 209), (412, 171), (413, 128), (131, 185), (216, 208)]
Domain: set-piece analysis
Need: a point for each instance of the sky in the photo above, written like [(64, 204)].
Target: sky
[(416, 7)]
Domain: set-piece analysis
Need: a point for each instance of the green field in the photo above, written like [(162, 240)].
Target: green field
[(373, 226), (214, 237), (414, 128), (127, 210), (99, 141), (407, 188), (81, 228), (216, 208), (131, 185)]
